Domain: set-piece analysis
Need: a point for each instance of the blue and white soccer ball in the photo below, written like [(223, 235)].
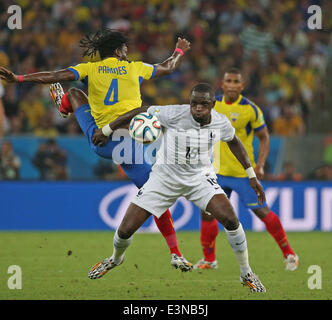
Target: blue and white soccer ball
[(145, 128)]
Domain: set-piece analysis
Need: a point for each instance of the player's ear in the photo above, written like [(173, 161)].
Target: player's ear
[(213, 102), (117, 52), (222, 84), (243, 85), (243, 82)]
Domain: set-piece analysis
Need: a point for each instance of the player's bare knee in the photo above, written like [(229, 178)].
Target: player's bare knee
[(77, 97), (231, 223), (74, 93), (124, 233)]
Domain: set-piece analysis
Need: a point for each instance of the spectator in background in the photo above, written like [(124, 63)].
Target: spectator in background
[(72, 127), (51, 161), (322, 173), (288, 123), (17, 124), (32, 108), (46, 127), (10, 101), (289, 173), (287, 62), (327, 155), (9, 162), (108, 170), (256, 39), (268, 176)]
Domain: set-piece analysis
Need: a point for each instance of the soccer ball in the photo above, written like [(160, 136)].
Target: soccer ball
[(145, 128)]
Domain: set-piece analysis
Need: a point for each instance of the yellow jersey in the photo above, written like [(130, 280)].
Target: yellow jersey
[(246, 118), (113, 86)]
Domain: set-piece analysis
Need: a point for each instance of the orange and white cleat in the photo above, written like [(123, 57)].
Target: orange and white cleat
[(251, 280), (57, 93), (292, 262), (203, 264), (102, 267)]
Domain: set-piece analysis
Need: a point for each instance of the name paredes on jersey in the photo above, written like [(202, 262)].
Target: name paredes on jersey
[(177, 146), (118, 71)]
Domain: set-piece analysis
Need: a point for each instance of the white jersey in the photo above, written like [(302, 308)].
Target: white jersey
[(186, 147)]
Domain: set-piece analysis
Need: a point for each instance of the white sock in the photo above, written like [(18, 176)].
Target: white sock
[(237, 240), (119, 247)]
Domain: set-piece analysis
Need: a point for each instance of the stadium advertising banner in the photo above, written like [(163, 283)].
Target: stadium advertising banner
[(301, 206)]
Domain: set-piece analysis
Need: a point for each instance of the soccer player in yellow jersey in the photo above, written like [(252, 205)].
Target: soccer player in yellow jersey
[(113, 89), (248, 120)]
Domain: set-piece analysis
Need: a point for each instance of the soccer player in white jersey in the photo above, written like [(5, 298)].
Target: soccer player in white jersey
[(183, 168)]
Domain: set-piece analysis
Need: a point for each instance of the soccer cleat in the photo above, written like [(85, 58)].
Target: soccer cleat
[(292, 262), (181, 263), (251, 280), (202, 264), (57, 93), (102, 267)]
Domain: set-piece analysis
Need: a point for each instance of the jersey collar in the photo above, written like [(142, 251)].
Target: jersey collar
[(235, 102), (198, 124)]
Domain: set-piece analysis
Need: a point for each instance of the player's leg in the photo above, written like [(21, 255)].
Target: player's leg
[(166, 228), (134, 218), (272, 222), (274, 227), (71, 101), (209, 197), (155, 196), (67, 102), (76, 98), (62, 100), (220, 207), (209, 233), (138, 171)]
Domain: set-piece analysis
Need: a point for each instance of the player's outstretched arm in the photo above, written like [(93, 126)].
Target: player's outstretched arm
[(39, 77), (101, 135), (169, 65), (264, 147), (240, 153)]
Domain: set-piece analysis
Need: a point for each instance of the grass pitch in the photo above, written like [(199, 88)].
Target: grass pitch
[(55, 266)]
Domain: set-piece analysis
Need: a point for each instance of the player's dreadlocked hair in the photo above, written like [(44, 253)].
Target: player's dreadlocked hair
[(105, 41)]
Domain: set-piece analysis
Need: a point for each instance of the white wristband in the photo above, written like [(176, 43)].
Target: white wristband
[(251, 172), (106, 130)]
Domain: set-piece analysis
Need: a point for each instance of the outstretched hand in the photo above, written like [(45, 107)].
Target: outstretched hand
[(99, 139), (259, 172), (183, 44), (8, 75), (254, 183)]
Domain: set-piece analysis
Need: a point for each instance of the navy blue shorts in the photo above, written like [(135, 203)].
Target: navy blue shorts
[(122, 150), (242, 187)]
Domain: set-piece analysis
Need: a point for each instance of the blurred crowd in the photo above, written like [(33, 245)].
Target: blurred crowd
[(283, 62)]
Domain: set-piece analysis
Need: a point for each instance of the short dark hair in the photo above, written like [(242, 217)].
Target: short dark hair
[(233, 70), (204, 87), (105, 41)]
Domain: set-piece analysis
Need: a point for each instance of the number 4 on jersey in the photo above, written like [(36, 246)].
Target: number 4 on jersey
[(112, 92)]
